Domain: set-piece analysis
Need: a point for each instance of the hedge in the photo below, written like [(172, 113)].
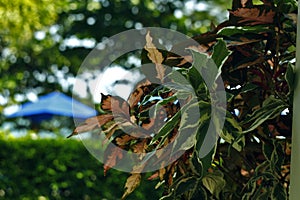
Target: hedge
[(59, 169)]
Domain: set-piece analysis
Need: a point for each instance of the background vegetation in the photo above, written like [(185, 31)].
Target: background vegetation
[(58, 169), (42, 45)]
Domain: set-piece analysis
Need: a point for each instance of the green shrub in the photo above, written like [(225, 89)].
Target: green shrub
[(58, 169)]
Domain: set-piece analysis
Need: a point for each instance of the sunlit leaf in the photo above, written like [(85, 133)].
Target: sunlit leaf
[(155, 56), (131, 184)]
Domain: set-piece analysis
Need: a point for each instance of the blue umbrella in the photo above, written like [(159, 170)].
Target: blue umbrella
[(54, 103)]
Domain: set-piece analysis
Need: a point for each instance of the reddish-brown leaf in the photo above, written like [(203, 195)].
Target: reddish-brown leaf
[(116, 153), (254, 16), (149, 125), (114, 104), (124, 139), (153, 176), (92, 123), (138, 93)]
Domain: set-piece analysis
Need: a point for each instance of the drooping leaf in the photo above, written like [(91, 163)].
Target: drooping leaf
[(271, 108), (277, 157), (141, 90), (114, 104), (186, 184), (214, 182), (241, 30), (124, 139), (92, 123), (220, 53), (114, 154), (210, 67), (268, 150), (279, 192), (232, 133), (186, 136), (167, 128), (155, 56), (289, 77), (196, 165), (131, 184)]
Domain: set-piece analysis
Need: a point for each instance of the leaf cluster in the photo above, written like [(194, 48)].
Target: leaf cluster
[(254, 54)]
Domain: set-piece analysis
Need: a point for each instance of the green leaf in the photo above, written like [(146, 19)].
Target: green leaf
[(196, 165), (169, 196), (232, 133), (277, 157), (207, 160), (200, 194), (201, 133), (220, 53), (167, 128), (206, 67), (233, 30), (214, 183), (268, 150), (186, 184), (248, 87), (290, 76), (279, 192), (190, 120), (272, 107), (239, 143), (210, 67)]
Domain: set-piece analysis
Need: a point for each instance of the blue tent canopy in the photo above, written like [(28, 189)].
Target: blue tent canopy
[(54, 103)]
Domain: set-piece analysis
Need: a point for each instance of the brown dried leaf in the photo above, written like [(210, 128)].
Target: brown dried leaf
[(114, 104), (153, 176), (138, 93), (124, 139), (111, 160), (254, 16), (92, 123), (150, 125), (140, 148), (162, 171), (155, 56), (132, 183)]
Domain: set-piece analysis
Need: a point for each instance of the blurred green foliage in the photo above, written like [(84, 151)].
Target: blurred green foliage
[(59, 169), (41, 39), (42, 42)]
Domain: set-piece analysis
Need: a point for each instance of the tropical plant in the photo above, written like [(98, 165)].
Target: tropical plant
[(254, 54)]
